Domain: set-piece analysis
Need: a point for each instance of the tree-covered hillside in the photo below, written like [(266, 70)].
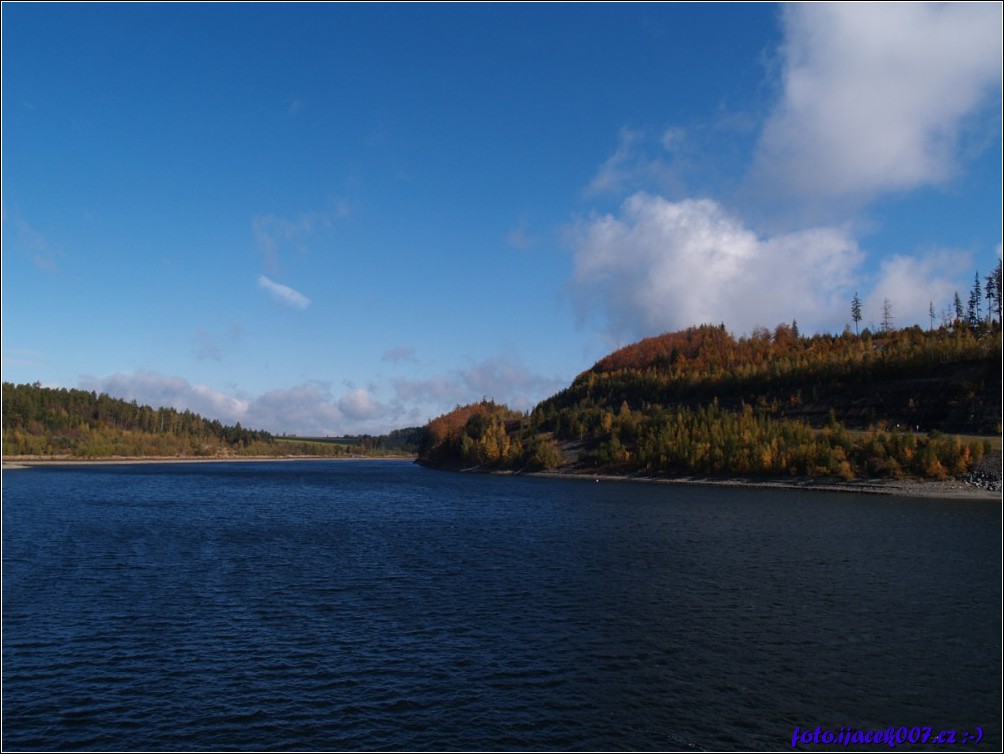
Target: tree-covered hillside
[(927, 380), (702, 402), (40, 421)]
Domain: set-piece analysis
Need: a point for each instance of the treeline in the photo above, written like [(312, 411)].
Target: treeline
[(396, 442), (39, 421), (700, 402), (56, 421)]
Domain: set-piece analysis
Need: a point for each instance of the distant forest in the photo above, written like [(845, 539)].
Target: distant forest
[(39, 421), (893, 403)]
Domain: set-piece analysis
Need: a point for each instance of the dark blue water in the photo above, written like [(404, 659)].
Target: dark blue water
[(379, 605)]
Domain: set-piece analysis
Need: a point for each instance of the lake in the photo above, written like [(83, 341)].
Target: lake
[(380, 605)]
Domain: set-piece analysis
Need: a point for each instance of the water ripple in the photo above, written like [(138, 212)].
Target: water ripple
[(382, 606)]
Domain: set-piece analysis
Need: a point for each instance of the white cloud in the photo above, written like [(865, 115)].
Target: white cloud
[(666, 265), (157, 390), (875, 96), (306, 409), (359, 405), (283, 294), (309, 409), (875, 99), (912, 284)]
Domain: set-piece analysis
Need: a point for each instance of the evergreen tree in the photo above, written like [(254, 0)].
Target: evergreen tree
[(997, 288), (975, 296), (992, 295), (959, 312), (856, 311), (992, 286), (930, 313)]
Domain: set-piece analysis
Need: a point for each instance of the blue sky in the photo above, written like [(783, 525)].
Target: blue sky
[(327, 218)]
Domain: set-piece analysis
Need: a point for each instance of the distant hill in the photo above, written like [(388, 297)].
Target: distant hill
[(700, 401), (56, 422)]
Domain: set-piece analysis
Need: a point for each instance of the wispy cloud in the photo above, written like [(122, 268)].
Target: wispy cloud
[(399, 355), (211, 345), (29, 240), (207, 346), (680, 160), (520, 238), (21, 358), (283, 294), (636, 160), (273, 233)]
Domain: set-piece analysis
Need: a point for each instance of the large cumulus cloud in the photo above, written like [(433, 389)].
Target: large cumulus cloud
[(875, 97), (659, 265)]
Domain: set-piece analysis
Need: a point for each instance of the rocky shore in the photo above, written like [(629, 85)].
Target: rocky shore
[(948, 489)]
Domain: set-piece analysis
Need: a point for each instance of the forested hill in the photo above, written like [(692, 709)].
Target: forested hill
[(947, 380), (40, 421), (700, 401)]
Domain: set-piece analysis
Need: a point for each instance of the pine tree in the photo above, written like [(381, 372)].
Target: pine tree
[(998, 289), (856, 311), (930, 313), (990, 294), (975, 296), (959, 312)]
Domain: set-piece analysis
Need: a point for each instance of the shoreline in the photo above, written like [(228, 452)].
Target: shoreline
[(28, 462), (949, 489)]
